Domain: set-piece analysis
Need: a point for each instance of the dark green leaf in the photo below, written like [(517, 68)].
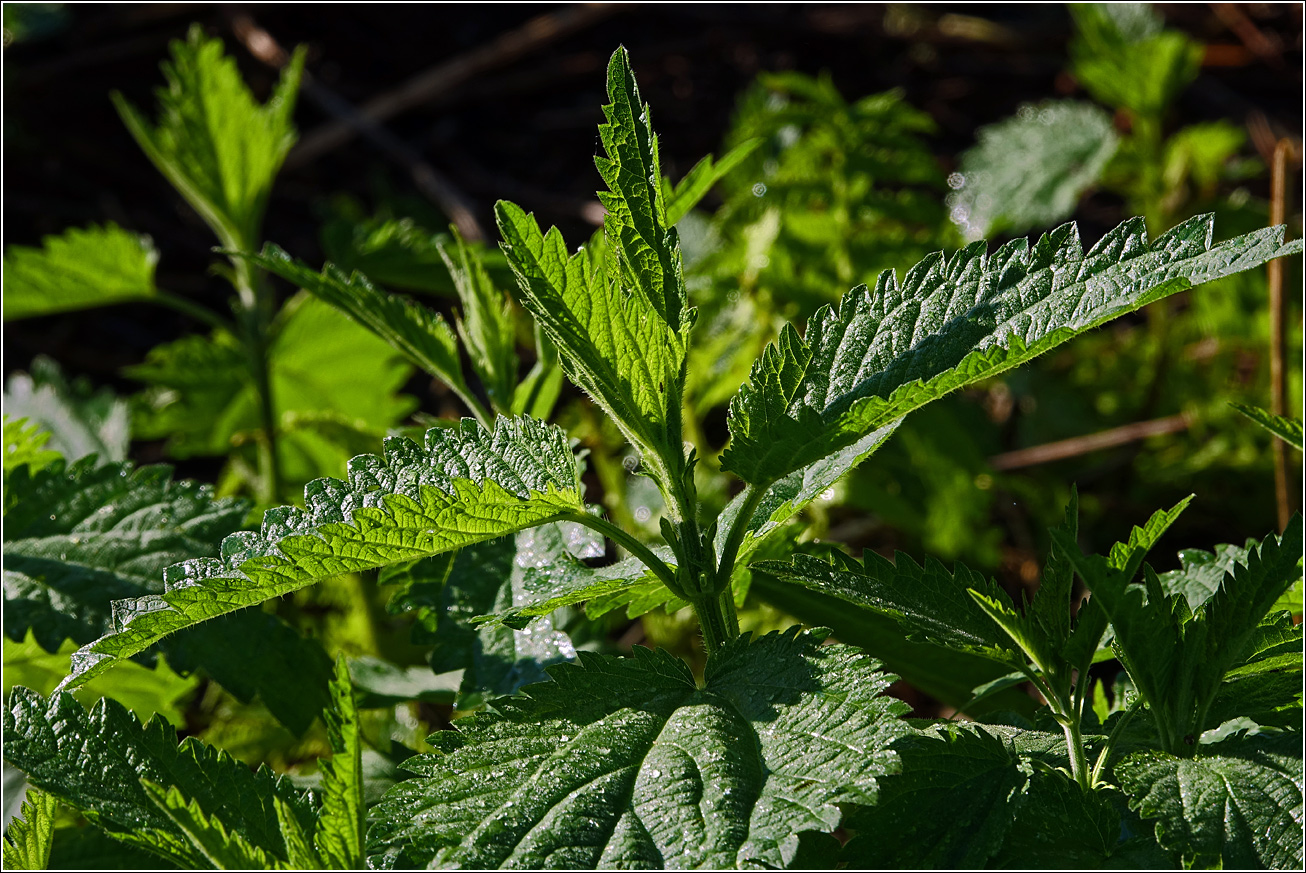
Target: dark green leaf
[(1240, 801), (1286, 429), (95, 762), (628, 762)]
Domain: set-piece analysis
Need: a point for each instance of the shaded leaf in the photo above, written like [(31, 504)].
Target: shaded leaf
[(1285, 429), (95, 761), (1240, 801)]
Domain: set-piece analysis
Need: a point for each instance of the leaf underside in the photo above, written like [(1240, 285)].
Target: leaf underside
[(626, 762), (464, 486), (951, 321)]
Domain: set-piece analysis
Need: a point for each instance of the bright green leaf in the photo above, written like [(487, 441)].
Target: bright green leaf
[(612, 344), (77, 270), (209, 843), (950, 322), (699, 180), (628, 762), (25, 446), (29, 837), (1286, 429), (486, 326), (420, 334), (216, 145), (464, 486), (339, 835)]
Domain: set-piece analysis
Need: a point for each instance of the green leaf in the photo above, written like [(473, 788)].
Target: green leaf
[(81, 420), (927, 601), (29, 837), (951, 807), (1201, 573), (552, 578), (380, 684), (209, 843), (699, 180), (612, 344), (953, 321), (1240, 802), (1285, 429), (1061, 826), (786, 497), (486, 326), (1178, 656), (493, 578), (1030, 170), (420, 334), (636, 225), (144, 690), (79, 269), (946, 674), (392, 252), (82, 535), (628, 762), (339, 835), (216, 145), (1267, 697), (1123, 58), (79, 537), (25, 446), (97, 762), (202, 398), (464, 486)]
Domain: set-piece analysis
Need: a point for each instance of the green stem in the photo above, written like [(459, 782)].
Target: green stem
[(717, 620), (256, 317), (1078, 758), (735, 536), (1105, 754), (195, 311), (632, 545)]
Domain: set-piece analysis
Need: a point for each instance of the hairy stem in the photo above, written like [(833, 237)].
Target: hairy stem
[(735, 536), (256, 318)]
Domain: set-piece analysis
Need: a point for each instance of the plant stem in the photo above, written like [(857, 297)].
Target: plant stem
[(256, 316), (735, 536), (195, 311), (1105, 754), (632, 545)]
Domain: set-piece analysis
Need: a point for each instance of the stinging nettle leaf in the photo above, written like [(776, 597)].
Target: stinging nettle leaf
[(1029, 170), (1240, 801), (464, 486), (636, 224), (81, 420), (1286, 429), (420, 334), (339, 834), (951, 321), (612, 344), (628, 762), (214, 142), (78, 269), (96, 761), (29, 837)]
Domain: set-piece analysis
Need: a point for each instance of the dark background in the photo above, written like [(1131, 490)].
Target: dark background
[(522, 126)]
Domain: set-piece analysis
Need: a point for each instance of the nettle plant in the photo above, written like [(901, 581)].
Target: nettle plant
[(783, 739)]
